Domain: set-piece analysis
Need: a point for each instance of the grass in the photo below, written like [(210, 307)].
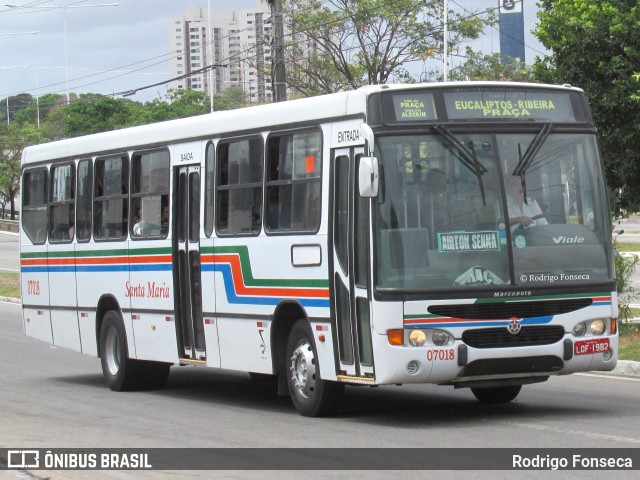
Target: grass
[(629, 332), (628, 247), (629, 347), (10, 284)]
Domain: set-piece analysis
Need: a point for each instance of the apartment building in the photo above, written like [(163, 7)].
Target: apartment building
[(241, 40)]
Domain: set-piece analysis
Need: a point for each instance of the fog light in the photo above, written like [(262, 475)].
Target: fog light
[(606, 356), (597, 327), (579, 330), (440, 338), (413, 367), (417, 338)]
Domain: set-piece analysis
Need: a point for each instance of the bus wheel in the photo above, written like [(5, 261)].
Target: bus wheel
[(497, 394), (120, 373), (312, 396)]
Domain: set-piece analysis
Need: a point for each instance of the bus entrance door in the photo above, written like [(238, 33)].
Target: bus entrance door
[(187, 265), (351, 304)]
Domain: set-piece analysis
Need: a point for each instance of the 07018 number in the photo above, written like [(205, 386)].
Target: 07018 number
[(33, 287), (441, 355)]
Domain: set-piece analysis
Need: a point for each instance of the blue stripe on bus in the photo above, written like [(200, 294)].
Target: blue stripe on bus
[(233, 298)]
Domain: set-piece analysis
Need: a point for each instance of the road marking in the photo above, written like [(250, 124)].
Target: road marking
[(578, 433), (610, 377)]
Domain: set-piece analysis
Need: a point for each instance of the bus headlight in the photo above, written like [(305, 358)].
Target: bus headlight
[(439, 337), (417, 338), (579, 330), (597, 327)]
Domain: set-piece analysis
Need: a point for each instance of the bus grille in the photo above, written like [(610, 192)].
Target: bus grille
[(501, 338), (507, 310)]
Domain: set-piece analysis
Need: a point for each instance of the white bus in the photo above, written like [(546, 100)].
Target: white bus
[(454, 233)]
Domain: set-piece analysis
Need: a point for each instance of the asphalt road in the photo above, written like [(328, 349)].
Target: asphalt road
[(53, 397), (9, 248)]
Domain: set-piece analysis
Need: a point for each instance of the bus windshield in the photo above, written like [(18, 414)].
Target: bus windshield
[(484, 210)]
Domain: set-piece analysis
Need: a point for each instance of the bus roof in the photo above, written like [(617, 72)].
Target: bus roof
[(331, 106)]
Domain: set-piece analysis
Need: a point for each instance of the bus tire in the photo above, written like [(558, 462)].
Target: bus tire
[(119, 371), (497, 394), (311, 395)]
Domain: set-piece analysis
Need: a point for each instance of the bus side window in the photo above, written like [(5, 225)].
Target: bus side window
[(293, 183), (83, 201), (209, 190), (111, 203), (61, 204), (239, 187), (150, 194), (34, 205)]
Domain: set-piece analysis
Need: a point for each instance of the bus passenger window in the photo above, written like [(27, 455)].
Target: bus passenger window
[(293, 183), (83, 201), (61, 204), (239, 187), (150, 194), (34, 205), (111, 203)]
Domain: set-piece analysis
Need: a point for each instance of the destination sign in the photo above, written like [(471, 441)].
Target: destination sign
[(516, 105), (414, 107), (479, 104), (468, 241)]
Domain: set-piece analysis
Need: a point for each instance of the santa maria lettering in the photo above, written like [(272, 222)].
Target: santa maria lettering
[(150, 290), (468, 241)]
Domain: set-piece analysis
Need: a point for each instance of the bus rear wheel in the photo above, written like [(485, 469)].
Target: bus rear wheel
[(497, 394), (120, 372), (311, 395)]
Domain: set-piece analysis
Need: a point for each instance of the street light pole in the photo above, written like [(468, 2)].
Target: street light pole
[(7, 99), (64, 9), (212, 54), (445, 58), (278, 74)]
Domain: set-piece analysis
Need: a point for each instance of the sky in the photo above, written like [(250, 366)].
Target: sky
[(113, 49)]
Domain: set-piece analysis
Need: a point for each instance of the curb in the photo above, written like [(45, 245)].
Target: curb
[(10, 300), (624, 368)]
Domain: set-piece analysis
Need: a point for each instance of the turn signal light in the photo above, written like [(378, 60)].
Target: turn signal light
[(614, 326), (396, 337)]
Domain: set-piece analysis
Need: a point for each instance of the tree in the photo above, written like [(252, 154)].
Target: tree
[(479, 66), (13, 105), (175, 104), (13, 139), (595, 46), (39, 108), (94, 113), (365, 42)]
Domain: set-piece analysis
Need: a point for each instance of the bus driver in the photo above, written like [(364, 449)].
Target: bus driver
[(522, 211)]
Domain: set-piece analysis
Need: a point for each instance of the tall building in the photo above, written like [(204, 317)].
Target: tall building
[(241, 42), (512, 29)]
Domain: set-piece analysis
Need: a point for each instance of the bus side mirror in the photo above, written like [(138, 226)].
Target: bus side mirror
[(368, 177)]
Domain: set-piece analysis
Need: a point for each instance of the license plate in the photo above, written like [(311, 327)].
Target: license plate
[(589, 347)]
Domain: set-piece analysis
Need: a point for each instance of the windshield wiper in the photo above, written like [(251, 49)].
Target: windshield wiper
[(532, 150), (466, 156)]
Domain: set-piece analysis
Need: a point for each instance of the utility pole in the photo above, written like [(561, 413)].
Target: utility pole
[(278, 84)]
